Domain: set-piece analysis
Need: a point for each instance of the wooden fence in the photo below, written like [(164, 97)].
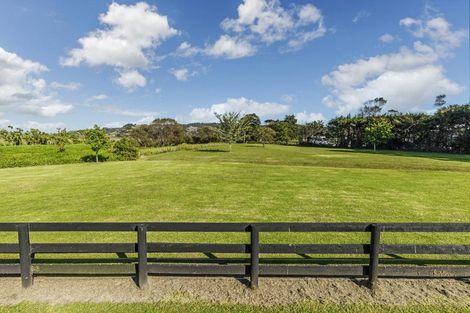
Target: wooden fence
[(252, 267)]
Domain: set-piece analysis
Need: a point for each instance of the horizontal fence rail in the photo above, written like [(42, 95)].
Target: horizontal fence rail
[(143, 265)]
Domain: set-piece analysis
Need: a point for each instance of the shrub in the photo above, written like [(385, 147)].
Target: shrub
[(97, 139), (125, 149)]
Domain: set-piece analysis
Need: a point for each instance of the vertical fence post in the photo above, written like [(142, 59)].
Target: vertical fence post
[(25, 255), (374, 255), (254, 268), (142, 270)]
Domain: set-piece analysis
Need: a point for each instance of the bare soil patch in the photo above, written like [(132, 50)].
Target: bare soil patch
[(272, 291)]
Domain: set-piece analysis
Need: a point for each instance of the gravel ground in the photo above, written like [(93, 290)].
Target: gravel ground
[(58, 290)]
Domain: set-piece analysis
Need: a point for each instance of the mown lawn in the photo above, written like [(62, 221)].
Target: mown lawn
[(275, 183)]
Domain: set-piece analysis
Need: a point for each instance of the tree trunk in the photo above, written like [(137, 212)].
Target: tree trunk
[(96, 157), (230, 147), (375, 148)]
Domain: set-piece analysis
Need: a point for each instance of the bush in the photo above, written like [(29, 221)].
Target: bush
[(124, 149)]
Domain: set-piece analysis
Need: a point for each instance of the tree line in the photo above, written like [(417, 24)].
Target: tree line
[(446, 130)]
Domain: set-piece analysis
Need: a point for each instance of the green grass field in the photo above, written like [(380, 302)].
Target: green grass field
[(275, 183)]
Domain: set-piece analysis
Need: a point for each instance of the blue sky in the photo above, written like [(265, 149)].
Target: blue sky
[(76, 63)]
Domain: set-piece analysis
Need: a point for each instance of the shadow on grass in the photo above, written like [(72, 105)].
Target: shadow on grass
[(92, 158), (212, 150), (428, 155)]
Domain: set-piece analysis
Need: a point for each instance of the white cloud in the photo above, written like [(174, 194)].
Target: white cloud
[(267, 19), (180, 74), (386, 38), (408, 79), (304, 117), (158, 91), (22, 89), (131, 79), (67, 86), (439, 30), (230, 48), (242, 105), (266, 22), (129, 34), (361, 15), (186, 50)]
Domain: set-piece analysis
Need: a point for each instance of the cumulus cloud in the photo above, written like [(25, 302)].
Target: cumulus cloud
[(386, 38), (242, 105), (408, 79), (22, 89), (125, 42), (180, 74), (230, 48), (439, 30), (304, 117), (131, 79), (185, 49), (67, 86), (266, 22)]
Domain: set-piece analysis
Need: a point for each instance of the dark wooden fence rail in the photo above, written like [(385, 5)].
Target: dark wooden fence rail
[(253, 268)]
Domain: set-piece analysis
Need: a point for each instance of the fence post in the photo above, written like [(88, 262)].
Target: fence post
[(142, 270), (254, 268), (25, 255), (374, 255)]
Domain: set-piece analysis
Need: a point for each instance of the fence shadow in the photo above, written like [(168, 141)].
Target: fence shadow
[(213, 259)]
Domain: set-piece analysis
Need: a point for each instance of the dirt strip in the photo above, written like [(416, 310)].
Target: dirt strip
[(55, 290)]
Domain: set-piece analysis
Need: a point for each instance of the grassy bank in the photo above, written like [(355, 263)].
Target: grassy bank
[(21, 156)]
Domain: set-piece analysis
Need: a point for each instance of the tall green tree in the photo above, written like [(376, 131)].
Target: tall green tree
[(372, 107), (161, 132), (309, 132), (265, 135), (252, 124), (378, 131), (292, 127), (97, 139), (231, 127)]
